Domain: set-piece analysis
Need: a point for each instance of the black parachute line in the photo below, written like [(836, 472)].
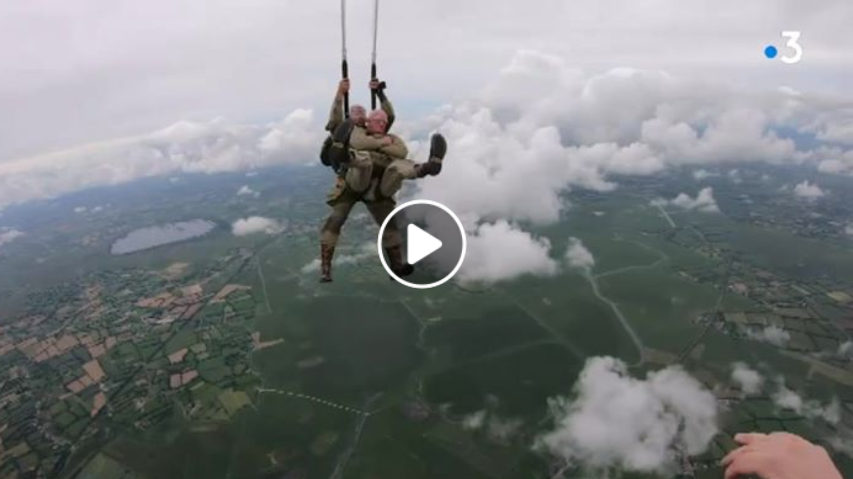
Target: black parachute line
[(374, 94), (373, 56), (344, 65)]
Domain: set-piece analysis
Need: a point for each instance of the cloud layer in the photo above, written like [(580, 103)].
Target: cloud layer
[(539, 129), (185, 147), (642, 425)]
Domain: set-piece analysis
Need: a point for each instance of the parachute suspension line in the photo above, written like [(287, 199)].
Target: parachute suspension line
[(344, 66), (373, 61)]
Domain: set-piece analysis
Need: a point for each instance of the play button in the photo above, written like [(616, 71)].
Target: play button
[(419, 244), (434, 242)]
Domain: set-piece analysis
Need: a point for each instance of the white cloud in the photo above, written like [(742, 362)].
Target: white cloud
[(702, 174), (838, 132), (7, 235), (256, 224), (734, 175), (500, 251), (501, 429), (475, 420), (246, 191), (787, 399), (642, 425), (845, 350), (543, 127), (311, 267), (578, 256), (843, 441), (704, 201), (770, 334), (80, 209), (747, 379), (497, 429), (366, 252), (835, 160), (517, 176), (808, 190), (830, 413)]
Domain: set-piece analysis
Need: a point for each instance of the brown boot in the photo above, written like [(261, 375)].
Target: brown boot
[(326, 254), (395, 262), (437, 151)]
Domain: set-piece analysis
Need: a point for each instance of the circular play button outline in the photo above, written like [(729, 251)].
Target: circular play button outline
[(459, 262)]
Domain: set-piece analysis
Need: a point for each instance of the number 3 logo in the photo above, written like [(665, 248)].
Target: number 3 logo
[(793, 45)]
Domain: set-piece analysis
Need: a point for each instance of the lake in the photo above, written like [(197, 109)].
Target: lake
[(154, 236)]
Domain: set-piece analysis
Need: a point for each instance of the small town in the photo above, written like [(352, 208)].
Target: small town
[(127, 349)]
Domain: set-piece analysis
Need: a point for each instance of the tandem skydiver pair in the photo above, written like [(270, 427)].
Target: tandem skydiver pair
[(370, 164)]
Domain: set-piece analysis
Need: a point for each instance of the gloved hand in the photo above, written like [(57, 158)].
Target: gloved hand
[(377, 85)]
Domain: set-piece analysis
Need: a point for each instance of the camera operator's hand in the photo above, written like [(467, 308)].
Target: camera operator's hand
[(779, 455)]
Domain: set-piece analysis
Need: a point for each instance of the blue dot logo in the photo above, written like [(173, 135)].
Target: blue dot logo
[(770, 52)]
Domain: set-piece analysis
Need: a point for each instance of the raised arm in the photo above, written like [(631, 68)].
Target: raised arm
[(384, 102), (336, 113)]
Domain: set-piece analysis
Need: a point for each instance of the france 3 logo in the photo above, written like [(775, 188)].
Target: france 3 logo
[(795, 50)]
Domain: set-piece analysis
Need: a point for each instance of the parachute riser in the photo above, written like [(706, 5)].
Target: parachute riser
[(344, 65), (373, 74)]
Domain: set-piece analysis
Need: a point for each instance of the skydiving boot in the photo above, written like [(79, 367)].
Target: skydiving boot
[(437, 150), (395, 262), (326, 254)]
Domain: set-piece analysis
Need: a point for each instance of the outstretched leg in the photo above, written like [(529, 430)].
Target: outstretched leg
[(330, 233), (399, 170), (395, 173)]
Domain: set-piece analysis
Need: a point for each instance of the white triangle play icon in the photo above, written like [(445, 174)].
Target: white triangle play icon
[(419, 244)]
